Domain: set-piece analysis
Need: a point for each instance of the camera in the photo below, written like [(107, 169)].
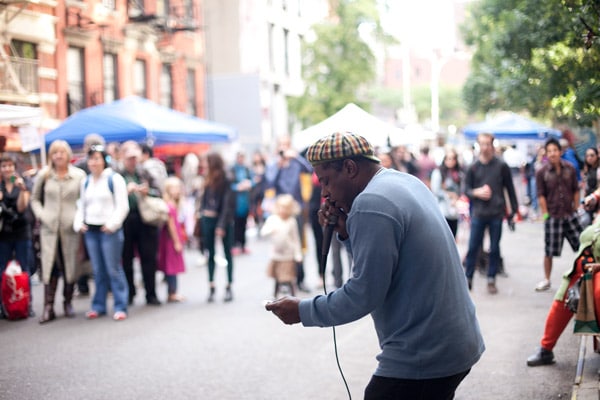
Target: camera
[(8, 217)]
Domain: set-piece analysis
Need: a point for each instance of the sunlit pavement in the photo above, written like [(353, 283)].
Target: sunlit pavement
[(196, 350)]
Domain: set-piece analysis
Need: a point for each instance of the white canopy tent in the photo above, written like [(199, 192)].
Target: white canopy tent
[(351, 118), (28, 120), (19, 115)]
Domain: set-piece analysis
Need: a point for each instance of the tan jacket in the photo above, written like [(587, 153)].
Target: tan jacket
[(56, 216)]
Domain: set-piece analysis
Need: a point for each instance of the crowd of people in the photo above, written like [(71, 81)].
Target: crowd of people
[(84, 216), (78, 221)]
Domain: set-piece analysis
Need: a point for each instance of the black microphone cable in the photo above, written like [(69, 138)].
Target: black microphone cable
[(327, 236)]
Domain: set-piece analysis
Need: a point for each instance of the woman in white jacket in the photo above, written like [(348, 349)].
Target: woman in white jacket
[(101, 210)]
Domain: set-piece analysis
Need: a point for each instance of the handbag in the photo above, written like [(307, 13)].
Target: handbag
[(15, 291), (585, 317), (153, 210)]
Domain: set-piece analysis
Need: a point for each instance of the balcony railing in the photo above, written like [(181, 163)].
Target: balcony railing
[(19, 75)]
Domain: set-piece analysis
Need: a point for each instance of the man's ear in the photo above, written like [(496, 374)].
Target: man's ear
[(350, 168)]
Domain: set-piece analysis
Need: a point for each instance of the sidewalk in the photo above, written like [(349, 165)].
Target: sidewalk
[(170, 346), (588, 387), (512, 323)]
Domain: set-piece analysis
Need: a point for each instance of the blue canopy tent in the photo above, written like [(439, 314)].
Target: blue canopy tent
[(141, 120), (510, 126)]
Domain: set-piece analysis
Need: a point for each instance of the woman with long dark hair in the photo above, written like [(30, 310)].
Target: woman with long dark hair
[(590, 178), (217, 207), (446, 181), (590, 170)]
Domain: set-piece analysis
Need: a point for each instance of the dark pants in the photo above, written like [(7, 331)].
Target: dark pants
[(453, 224), (239, 231), (300, 265), (478, 226), (144, 239), (380, 388), (209, 225)]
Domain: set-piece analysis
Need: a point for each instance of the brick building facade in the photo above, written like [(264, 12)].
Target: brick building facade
[(66, 55)]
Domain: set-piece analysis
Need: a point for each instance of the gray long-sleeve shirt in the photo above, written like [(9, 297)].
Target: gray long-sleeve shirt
[(407, 274)]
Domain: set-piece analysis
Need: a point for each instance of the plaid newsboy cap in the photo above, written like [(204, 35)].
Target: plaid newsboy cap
[(338, 146)]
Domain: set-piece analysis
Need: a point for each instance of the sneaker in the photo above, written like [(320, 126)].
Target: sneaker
[(541, 357), (92, 314), (236, 251), (543, 286), (175, 298), (491, 287), (120, 316)]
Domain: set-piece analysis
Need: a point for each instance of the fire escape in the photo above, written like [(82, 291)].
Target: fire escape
[(172, 19), (18, 75)]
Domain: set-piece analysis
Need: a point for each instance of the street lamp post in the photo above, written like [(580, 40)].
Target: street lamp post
[(437, 62)]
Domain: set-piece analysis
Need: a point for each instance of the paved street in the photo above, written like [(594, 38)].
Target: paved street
[(196, 350)]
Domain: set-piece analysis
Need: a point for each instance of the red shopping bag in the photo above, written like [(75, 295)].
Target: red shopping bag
[(15, 291)]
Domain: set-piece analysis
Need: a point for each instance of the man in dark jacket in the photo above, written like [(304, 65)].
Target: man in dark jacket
[(485, 182)]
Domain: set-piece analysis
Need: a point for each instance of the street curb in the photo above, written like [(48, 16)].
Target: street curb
[(587, 383)]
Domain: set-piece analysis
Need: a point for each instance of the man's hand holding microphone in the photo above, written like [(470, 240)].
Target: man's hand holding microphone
[(332, 219)]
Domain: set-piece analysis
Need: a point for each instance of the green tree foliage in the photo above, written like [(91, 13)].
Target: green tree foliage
[(541, 56), (339, 64)]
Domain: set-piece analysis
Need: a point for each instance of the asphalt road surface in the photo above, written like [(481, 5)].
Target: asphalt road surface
[(237, 350)]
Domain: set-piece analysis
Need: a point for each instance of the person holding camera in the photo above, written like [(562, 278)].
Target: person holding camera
[(15, 228)]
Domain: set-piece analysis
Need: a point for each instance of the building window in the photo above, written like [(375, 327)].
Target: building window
[(135, 8), (166, 86), (23, 49), (162, 8), (75, 80), (109, 69), (109, 4), (190, 89), (139, 78), (189, 8), (286, 51), (24, 62), (271, 50)]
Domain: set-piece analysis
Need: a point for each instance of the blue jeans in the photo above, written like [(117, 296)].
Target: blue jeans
[(171, 284), (478, 226), (105, 255)]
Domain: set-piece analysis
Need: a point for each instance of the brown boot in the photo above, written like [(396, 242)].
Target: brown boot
[(68, 297), (49, 292)]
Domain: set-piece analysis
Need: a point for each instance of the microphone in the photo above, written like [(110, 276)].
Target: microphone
[(327, 236)]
